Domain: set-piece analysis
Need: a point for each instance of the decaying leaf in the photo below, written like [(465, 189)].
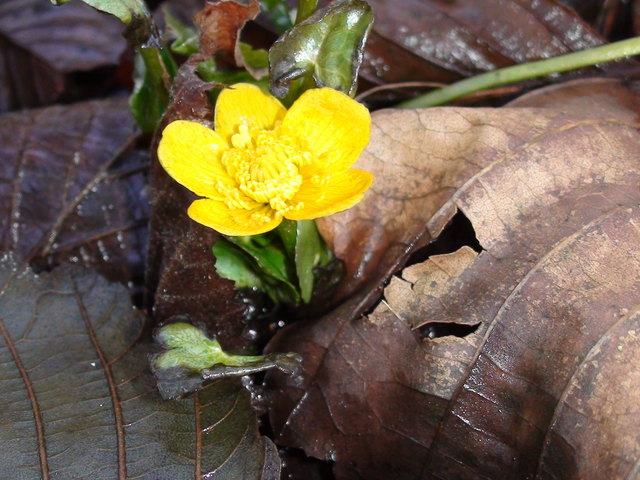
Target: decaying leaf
[(220, 24), (72, 188), (77, 399), (43, 46), (547, 385)]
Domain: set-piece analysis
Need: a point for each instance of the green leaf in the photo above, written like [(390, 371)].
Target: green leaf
[(269, 254), (186, 39), (255, 60), (287, 230), (279, 13), (327, 47), (254, 57), (234, 263), (209, 72), (310, 252), (133, 13), (305, 9), (154, 68), (77, 399)]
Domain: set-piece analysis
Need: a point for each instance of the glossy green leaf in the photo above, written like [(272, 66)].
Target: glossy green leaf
[(327, 47), (154, 69), (77, 400), (263, 269), (269, 254)]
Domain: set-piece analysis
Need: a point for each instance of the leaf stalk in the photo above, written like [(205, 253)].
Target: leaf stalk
[(526, 71)]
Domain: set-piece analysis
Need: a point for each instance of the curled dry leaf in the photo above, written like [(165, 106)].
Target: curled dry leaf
[(220, 24), (546, 386), (77, 399), (72, 188), (42, 46)]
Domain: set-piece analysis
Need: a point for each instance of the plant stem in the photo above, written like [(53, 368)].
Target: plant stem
[(526, 71), (305, 9)]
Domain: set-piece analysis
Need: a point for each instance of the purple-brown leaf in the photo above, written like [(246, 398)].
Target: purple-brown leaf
[(42, 46), (78, 401), (72, 188)]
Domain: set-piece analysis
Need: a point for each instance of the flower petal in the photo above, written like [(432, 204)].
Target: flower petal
[(335, 127), (190, 153), (343, 191), (215, 214), (246, 103)]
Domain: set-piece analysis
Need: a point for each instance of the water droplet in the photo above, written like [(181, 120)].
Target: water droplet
[(251, 334), (332, 455), (120, 239), (103, 251)]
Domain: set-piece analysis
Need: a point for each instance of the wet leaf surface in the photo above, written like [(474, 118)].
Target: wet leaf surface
[(42, 46), (543, 385), (72, 188), (327, 47), (77, 399)]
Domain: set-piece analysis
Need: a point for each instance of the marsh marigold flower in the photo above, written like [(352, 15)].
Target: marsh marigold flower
[(263, 163)]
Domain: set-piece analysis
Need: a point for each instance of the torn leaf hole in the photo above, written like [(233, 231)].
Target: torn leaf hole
[(443, 329), (458, 233)]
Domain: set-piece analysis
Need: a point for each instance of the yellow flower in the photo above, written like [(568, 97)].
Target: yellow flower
[(264, 163)]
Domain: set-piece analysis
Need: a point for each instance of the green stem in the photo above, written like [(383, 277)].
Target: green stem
[(305, 9), (526, 71)]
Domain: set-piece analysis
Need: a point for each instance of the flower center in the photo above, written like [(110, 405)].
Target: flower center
[(265, 166)]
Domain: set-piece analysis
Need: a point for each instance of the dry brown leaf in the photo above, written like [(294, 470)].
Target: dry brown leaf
[(220, 24), (544, 387)]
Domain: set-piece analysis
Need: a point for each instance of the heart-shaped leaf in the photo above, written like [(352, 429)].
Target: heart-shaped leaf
[(328, 47)]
